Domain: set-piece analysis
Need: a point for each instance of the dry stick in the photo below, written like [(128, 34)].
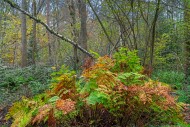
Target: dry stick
[(103, 28), (120, 23), (48, 28)]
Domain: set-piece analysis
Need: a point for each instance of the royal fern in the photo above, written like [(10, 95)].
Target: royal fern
[(111, 90)]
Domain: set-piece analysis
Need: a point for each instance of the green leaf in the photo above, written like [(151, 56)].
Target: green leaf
[(91, 85), (130, 78), (97, 97), (95, 54), (53, 99)]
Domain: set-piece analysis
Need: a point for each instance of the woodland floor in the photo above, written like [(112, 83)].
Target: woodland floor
[(187, 113)]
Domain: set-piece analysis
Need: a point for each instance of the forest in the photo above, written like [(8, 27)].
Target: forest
[(94, 63)]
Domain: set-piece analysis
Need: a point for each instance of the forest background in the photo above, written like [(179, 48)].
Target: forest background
[(38, 36)]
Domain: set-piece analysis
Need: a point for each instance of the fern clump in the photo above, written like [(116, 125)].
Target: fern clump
[(129, 97), (112, 91), (126, 61), (48, 107)]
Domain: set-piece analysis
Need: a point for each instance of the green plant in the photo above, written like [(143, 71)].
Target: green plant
[(14, 77), (131, 78), (126, 61), (18, 82), (128, 96), (175, 79), (47, 107), (104, 95)]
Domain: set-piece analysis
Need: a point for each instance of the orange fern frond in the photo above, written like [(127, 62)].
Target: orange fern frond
[(103, 64), (43, 112), (51, 119), (66, 106), (149, 90), (88, 63), (65, 88)]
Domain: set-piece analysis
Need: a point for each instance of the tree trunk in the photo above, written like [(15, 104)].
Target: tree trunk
[(83, 29), (187, 44), (57, 44), (48, 34), (153, 33), (74, 31), (33, 39), (23, 31)]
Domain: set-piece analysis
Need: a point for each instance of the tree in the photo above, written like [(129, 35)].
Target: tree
[(48, 34), (24, 39), (72, 10), (103, 28), (187, 44), (32, 43), (136, 24), (83, 28), (152, 44)]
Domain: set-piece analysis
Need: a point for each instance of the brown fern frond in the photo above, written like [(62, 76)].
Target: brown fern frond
[(66, 106), (51, 119), (42, 113), (149, 90), (147, 70), (65, 88), (88, 62), (103, 64)]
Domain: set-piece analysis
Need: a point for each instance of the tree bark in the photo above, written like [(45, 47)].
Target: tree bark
[(153, 33), (34, 45), (187, 45), (48, 34), (83, 29), (74, 31), (24, 41)]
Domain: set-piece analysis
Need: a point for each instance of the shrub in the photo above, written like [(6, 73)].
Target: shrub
[(106, 94)]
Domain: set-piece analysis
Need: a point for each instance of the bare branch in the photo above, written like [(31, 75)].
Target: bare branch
[(103, 28), (48, 28)]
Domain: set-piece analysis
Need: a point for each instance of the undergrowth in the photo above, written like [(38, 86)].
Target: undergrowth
[(17, 82), (176, 81), (110, 92)]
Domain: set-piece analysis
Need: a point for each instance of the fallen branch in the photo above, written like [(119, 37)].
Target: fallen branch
[(47, 27)]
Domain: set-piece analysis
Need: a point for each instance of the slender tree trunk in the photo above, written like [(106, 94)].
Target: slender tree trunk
[(153, 33), (187, 45), (83, 29), (147, 33), (24, 39), (74, 31), (34, 45), (133, 26), (57, 41), (101, 24), (14, 54), (48, 34)]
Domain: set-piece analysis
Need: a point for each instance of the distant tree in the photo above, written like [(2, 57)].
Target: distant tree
[(32, 43), (23, 32), (72, 10), (187, 43), (153, 30), (83, 27), (48, 34)]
